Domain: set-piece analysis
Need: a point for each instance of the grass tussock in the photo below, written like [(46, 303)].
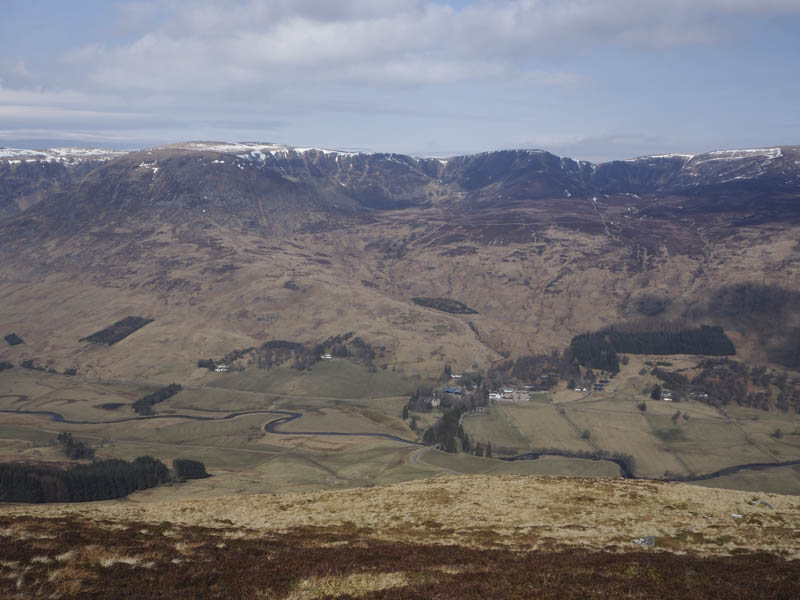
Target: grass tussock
[(357, 585), (88, 561)]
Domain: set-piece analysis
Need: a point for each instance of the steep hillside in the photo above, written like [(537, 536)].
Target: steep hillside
[(228, 245), (27, 176)]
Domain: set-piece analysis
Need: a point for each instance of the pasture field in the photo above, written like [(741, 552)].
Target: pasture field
[(213, 399), (558, 465), (342, 397), (496, 427), (546, 465), (705, 445), (28, 434), (73, 397), (629, 433), (352, 419), (544, 427), (786, 479), (328, 379)]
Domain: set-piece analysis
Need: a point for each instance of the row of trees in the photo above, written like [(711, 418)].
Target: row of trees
[(118, 331), (599, 350), (189, 469), (302, 356), (626, 462), (12, 339), (99, 480), (144, 406), (445, 305), (724, 381), (74, 450), (30, 364), (448, 432)]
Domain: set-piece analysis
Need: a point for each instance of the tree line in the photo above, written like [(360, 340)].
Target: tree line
[(599, 350), (448, 429), (445, 305), (74, 450), (99, 480), (118, 331), (189, 469), (625, 462), (144, 406), (303, 356), (12, 339), (724, 381)]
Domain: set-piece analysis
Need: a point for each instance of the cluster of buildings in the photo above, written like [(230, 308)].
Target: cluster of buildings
[(509, 394)]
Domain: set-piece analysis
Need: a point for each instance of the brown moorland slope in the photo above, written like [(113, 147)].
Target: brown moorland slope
[(227, 246), (450, 537)]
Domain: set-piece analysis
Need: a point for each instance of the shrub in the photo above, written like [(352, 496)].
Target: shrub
[(189, 469)]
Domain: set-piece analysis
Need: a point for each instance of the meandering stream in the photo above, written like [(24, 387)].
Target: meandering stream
[(286, 416)]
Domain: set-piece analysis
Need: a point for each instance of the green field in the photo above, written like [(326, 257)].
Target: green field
[(496, 427), (546, 465), (340, 396), (328, 379)]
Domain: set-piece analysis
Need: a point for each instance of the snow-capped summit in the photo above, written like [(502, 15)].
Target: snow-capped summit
[(62, 155), (249, 150)]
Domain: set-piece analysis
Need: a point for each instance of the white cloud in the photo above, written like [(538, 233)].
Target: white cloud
[(14, 73), (176, 65), (203, 45)]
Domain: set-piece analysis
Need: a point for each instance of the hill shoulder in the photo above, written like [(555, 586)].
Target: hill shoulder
[(519, 512)]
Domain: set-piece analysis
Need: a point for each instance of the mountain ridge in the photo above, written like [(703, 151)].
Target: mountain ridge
[(542, 247)]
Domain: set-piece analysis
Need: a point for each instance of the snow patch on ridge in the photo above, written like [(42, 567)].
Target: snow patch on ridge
[(255, 150), (63, 155), (766, 153), (652, 156)]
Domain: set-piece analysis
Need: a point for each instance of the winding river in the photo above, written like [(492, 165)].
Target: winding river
[(285, 416), (271, 427)]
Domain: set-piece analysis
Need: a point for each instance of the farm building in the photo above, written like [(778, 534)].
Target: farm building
[(222, 368)]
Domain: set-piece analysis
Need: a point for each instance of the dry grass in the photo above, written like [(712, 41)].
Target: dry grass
[(356, 585), (521, 315), (493, 510), (345, 562)]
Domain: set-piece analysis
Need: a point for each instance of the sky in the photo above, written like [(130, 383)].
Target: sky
[(591, 79)]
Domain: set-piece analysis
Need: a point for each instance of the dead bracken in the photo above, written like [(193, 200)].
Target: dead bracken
[(82, 558)]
